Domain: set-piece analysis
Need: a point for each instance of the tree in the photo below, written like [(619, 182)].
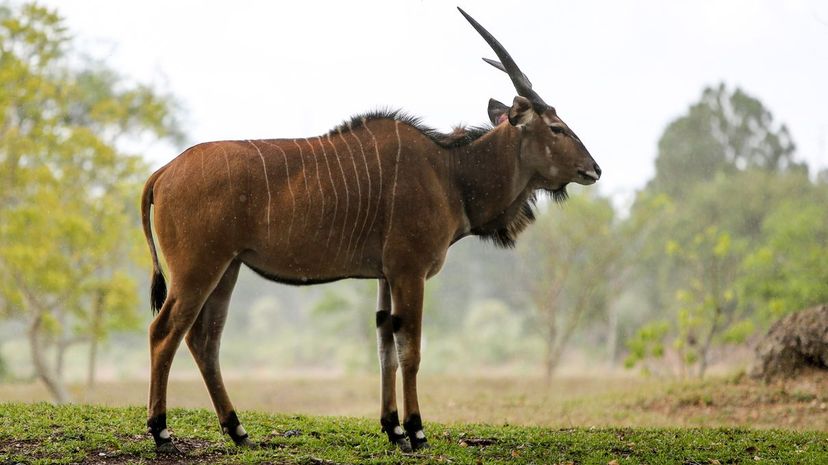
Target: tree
[(571, 266), (787, 270), (701, 258), (68, 197), (344, 312), (722, 169), (725, 132)]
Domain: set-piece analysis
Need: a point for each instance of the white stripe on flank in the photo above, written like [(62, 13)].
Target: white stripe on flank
[(347, 197), (290, 189), (359, 193), (379, 189), (203, 177), (267, 183), (394, 188), (227, 162), (321, 193), (307, 189), (368, 206), (333, 188)]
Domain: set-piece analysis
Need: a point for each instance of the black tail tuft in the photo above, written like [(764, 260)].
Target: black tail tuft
[(158, 294)]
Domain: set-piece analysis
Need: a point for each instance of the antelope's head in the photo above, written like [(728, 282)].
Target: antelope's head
[(548, 146)]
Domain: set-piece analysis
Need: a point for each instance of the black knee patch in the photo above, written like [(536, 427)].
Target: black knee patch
[(157, 424), (230, 428), (382, 316), (396, 322), (390, 422), (413, 425)]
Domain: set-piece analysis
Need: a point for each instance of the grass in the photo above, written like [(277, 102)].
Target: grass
[(42, 433), (623, 420)]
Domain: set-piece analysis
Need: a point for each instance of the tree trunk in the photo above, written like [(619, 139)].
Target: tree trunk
[(93, 358), (42, 371), (612, 334), (97, 317), (708, 341), (550, 360)]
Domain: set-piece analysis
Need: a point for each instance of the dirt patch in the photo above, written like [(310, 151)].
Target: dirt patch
[(194, 451), (800, 402)]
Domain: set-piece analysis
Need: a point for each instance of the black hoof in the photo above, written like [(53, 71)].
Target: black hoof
[(246, 443), (419, 444), (414, 430), (404, 445), (166, 448)]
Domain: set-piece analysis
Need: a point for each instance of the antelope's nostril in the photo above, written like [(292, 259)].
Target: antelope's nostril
[(597, 169)]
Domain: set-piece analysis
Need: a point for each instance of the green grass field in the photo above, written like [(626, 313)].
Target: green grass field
[(485, 420), (42, 433)]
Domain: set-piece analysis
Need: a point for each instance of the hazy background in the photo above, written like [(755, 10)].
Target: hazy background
[(617, 72), (642, 271)]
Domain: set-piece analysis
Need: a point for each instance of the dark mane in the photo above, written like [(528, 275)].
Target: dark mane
[(459, 137), (506, 236)]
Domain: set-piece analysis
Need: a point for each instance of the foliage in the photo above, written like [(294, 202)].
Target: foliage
[(68, 216), (571, 265), (647, 343), (786, 271), (344, 316), (716, 259), (725, 132)]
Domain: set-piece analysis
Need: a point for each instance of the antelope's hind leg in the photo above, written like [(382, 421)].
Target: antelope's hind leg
[(204, 340), (189, 290), (389, 418)]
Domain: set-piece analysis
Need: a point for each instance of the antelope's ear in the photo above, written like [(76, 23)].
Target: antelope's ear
[(498, 112), (521, 112)]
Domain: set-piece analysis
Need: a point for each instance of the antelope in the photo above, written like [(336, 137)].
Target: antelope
[(380, 196)]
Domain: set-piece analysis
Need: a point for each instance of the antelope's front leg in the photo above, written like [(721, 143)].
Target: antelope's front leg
[(389, 419), (406, 322)]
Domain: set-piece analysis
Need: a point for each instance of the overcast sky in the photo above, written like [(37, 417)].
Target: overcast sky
[(617, 71)]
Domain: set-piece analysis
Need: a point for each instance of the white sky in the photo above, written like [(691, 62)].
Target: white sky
[(617, 71)]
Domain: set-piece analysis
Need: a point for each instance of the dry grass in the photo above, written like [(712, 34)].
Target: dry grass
[(563, 403)]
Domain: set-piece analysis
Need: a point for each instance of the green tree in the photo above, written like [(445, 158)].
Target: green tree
[(787, 270), (68, 196), (721, 170), (343, 318), (724, 132), (572, 265), (696, 263)]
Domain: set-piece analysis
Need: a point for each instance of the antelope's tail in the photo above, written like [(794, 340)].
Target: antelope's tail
[(158, 288)]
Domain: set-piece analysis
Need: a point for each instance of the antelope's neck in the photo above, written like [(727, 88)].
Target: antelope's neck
[(489, 179)]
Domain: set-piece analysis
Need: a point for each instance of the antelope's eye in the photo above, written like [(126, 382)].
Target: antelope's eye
[(556, 129)]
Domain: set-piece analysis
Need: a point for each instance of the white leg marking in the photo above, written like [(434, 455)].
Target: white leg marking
[(240, 430), (379, 189), (347, 197), (267, 183), (290, 189), (307, 190), (398, 430), (359, 194), (164, 434), (393, 189), (419, 434), (368, 206), (333, 188), (321, 193)]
